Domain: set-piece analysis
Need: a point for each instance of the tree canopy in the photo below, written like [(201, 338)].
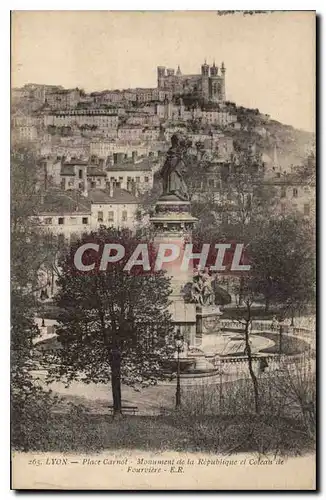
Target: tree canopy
[(112, 317)]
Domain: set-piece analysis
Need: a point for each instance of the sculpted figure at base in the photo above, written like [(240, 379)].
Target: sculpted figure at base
[(173, 170), (202, 292)]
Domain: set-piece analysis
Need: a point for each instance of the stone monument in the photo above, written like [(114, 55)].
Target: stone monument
[(173, 223), (202, 293)]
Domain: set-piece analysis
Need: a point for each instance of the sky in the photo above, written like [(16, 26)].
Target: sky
[(269, 57)]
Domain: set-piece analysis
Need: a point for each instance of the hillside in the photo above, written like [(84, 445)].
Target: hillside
[(258, 128), (292, 144)]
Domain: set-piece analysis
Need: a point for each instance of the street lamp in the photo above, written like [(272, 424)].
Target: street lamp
[(179, 343), (280, 322)]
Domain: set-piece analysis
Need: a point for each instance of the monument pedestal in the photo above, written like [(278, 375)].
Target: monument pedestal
[(173, 224), (208, 321)]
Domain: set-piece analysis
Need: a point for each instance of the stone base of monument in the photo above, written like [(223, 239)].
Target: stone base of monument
[(203, 365), (208, 321), (186, 365)]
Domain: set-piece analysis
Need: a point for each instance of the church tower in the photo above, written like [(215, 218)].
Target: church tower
[(160, 77), (214, 70), (214, 84), (205, 80), (222, 97)]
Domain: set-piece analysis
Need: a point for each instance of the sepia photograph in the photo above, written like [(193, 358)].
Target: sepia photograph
[(163, 250)]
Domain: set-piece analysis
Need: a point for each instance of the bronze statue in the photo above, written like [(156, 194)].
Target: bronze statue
[(173, 170)]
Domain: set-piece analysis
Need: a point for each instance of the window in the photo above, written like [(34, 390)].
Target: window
[(137, 179), (124, 215), (295, 193), (93, 184), (278, 174), (146, 179), (100, 216), (80, 173), (283, 192), (111, 216), (306, 189), (61, 220), (85, 220), (211, 183), (48, 220), (306, 209), (120, 179), (73, 220)]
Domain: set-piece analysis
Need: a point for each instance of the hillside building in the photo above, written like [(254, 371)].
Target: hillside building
[(208, 85)]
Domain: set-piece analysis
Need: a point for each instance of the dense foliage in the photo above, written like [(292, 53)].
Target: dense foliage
[(115, 324)]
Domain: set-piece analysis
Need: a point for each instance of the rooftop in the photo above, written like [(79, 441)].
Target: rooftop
[(58, 202), (144, 164), (102, 196), (95, 171), (67, 170), (76, 161), (63, 202)]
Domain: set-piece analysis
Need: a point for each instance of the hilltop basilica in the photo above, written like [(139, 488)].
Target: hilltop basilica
[(209, 85)]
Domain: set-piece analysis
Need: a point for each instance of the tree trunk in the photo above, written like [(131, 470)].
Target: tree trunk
[(116, 380), (292, 317), (280, 339), (266, 304), (115, 365), (52, 281), (241, 291), (251, 371)]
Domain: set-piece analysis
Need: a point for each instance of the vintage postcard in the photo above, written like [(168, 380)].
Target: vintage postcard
[(163, 282)]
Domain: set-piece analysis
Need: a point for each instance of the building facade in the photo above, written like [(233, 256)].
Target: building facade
[(70, 214), (102, 119)]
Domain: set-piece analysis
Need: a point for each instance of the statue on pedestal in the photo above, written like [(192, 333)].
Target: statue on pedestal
[(173, 170)]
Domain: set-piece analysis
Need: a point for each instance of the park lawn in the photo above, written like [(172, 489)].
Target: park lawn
[(174, 431), (97, 397)]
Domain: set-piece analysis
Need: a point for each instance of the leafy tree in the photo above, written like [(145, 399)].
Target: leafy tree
[(32, 248), (24, 231), (283, 257), (282, 271), (23, 175), (115, 324), (25, 261), (30, 251), (30, 404)]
